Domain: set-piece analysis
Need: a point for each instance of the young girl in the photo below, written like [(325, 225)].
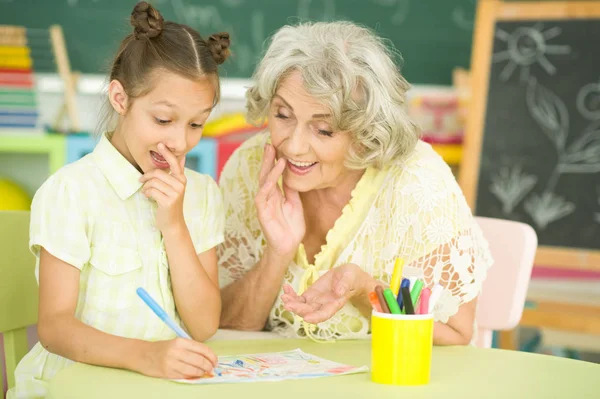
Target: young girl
[(129, 215)]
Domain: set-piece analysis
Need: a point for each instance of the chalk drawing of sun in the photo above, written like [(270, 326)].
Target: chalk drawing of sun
[(528, 45)]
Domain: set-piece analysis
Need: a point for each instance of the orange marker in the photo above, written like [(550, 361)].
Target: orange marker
[(375, 301)]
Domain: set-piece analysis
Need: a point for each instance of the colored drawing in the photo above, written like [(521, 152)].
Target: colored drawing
[(277, 366)]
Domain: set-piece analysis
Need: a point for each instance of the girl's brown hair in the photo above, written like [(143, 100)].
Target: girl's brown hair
[(156, 44)]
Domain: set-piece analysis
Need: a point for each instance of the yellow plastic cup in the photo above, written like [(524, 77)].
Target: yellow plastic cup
[(401, 348)]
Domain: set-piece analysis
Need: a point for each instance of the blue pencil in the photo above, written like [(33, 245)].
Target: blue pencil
[(161, 313), (166, 319)]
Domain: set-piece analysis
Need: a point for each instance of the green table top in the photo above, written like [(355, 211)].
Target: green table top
[(457, 372)]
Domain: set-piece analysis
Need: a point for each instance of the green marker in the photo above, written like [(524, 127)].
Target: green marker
[(391, 301), (416, 291)]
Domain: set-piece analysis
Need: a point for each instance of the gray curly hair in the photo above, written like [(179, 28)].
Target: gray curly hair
[(351, 70)]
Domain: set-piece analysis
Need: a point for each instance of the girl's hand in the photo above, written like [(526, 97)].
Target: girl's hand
[(168, 190), (280, 214), (178, 358)]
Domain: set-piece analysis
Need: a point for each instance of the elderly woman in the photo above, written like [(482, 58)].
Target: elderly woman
[(319, 208)]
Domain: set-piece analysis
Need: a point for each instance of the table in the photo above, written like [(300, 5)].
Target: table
[(457, 372)]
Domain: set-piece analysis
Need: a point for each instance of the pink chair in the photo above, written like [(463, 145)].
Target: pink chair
[(500, 305)]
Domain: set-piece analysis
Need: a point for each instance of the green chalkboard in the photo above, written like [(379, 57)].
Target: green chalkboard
[(433, 36)]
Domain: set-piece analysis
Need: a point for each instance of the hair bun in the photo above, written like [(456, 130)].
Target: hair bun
[(146, 20), (218, 45)]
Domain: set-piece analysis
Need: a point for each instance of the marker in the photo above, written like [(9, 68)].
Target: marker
[(384, 306), (436, 293), (391, 301), (412, 282), (424, 301), (161, 313), (374, 301), (405, 283), (415, 292), (408, 305), (397, 276)]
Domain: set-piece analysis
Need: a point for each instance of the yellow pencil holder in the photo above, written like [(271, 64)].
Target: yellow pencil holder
[(401, 348)]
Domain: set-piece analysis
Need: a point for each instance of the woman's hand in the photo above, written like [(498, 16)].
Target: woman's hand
[(328, 294), (280, 214), (168, 190)]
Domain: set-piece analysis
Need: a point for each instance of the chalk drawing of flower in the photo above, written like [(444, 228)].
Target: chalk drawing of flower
[(547, 208), (510, 185), (583, 155), (549, 111), (588, 101)]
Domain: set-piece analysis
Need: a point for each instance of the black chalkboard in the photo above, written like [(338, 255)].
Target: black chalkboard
[(540, 154)]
